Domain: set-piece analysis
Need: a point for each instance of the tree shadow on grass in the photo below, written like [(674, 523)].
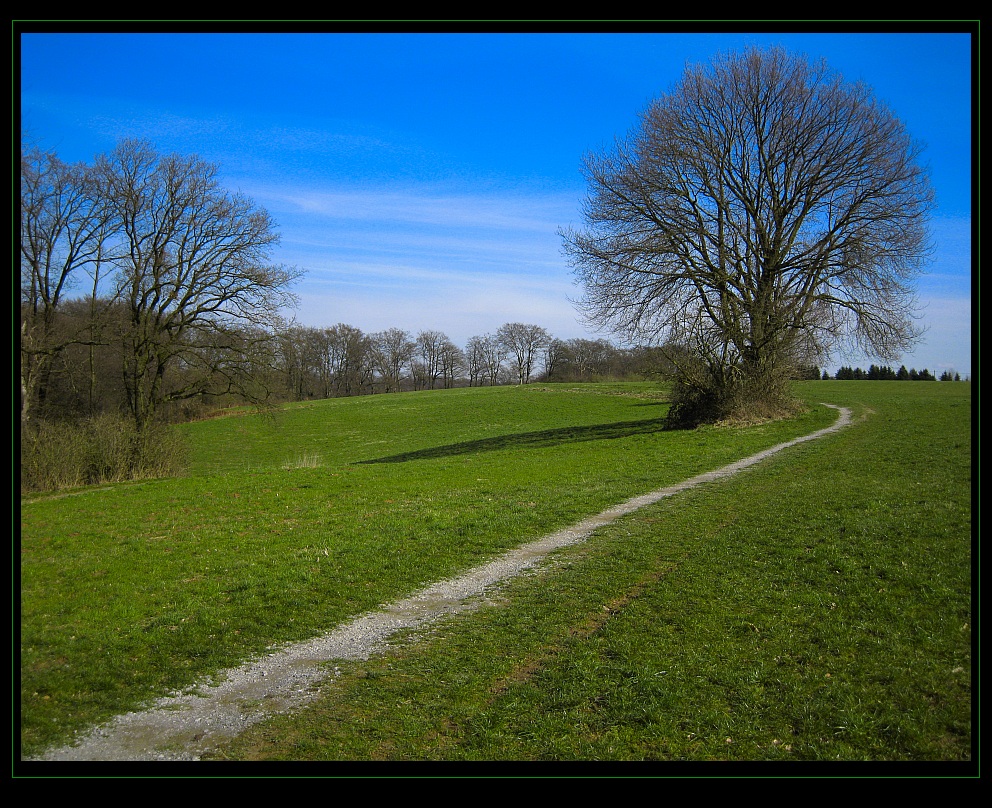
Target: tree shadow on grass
[(531, 440)]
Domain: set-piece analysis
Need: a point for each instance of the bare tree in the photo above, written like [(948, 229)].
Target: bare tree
[(349, 358), (324, 362), (485, 357), (392, 351), (297, 359), (64, 230), (524, 344), (475, 362), (554, 354), (324, 367), (430, 345), (194, 273), (585, 357), (453, 363), (761, 214)]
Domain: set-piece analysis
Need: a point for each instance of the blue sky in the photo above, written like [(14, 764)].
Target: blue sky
[(421, 178)]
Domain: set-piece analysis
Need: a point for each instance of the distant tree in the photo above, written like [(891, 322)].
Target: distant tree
[(298, 357), (654, 361), (430, 346), (762, 212), (392, 351), (347, 359), (303, 359), (484, 357), (453, 363), (494, 355), (582, 359), (83, 379), (323, 363), (554, 355), (475, 360), (523, 343)]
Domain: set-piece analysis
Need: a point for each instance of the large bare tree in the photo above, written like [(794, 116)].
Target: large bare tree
[(195, 276), (762, 213)]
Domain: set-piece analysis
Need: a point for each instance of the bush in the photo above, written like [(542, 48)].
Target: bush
[(706, 395), (104, 449), (53, 456)]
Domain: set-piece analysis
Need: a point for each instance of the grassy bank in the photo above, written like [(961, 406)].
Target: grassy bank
[(815, 608)]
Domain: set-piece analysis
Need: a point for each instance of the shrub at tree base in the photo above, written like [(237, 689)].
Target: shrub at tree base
[(703, 395), (107, 448)]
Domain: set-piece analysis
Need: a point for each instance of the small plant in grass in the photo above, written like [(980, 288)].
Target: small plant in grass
[(305, 461)]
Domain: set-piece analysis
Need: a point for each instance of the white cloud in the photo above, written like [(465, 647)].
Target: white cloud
[(420, 258)]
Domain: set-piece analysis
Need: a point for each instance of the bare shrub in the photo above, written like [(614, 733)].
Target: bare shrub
[(53, 456), (710, 393), (103, 449)]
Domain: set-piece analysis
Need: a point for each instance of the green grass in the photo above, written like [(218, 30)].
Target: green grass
[(815, 608)]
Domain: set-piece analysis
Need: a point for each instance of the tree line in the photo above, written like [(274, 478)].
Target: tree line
[(886, 373), (88, 378)]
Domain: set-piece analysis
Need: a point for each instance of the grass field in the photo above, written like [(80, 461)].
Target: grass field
[(815, 608)]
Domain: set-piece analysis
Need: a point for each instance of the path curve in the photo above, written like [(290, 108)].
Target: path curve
[(185, 725)]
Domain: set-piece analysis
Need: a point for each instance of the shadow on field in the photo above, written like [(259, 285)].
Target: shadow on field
[(531, 440)]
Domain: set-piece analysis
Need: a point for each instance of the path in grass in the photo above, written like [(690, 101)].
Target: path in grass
[(183, 726)]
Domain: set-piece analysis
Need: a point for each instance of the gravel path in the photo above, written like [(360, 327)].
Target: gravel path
[(183, 726)]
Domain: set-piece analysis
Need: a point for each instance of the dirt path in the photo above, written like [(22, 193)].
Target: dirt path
[(183, 726)]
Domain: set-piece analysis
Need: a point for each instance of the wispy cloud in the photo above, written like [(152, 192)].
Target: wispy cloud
[(417, 257), (420, 206)]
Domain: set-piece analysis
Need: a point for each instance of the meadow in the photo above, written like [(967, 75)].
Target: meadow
[(814, 608)]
